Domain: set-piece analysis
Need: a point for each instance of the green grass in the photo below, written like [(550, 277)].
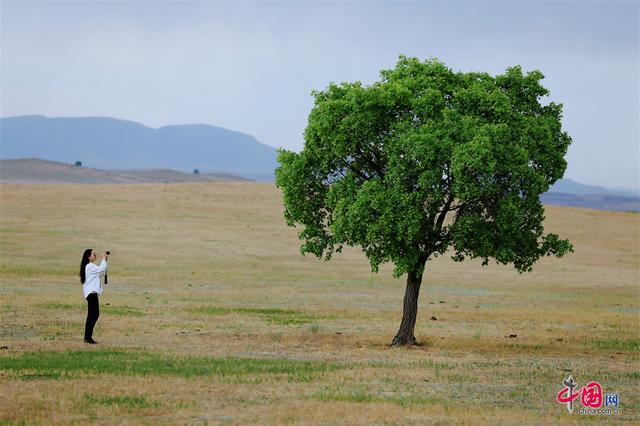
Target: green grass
[(28, 271), (122, 311), (49, 364), (60, 306), (528, 347), (436, 365), (615, 344), (106, 309), (633, 375), (363, 394), (271, 315), (12, 422), (461, 378), (65, 325), (130, 402)]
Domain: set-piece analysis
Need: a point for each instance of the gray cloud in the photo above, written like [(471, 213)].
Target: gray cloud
[(251, 66)]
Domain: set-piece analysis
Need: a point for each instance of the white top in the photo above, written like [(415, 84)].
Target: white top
[(92, 282)]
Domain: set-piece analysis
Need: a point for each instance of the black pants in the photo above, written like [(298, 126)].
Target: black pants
[(92, 315)]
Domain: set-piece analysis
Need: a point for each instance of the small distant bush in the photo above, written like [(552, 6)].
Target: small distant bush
[(196, 171), (78, 163)]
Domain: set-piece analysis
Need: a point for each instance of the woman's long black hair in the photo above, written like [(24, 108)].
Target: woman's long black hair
[(84, 263)]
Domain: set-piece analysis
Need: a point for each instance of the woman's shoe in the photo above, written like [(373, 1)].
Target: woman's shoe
[(90, 341)]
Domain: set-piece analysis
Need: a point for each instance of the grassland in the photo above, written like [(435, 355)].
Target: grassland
[(212, 316)]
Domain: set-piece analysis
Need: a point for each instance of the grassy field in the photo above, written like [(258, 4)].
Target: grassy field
[(212, 316)]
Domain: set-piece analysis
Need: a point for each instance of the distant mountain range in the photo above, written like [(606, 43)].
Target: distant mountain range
[(130, 152), (593, 201), (112, 144), (568, 186)]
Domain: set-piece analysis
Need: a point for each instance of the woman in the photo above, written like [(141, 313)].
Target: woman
[(91, 286)]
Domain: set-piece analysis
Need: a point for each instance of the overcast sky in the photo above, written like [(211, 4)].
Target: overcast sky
[(252, 66)]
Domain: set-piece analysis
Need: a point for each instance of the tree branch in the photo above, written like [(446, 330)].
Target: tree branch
[(443, 213), (447, 205)]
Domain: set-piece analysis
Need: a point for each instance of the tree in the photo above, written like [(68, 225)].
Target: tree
[(424, 161), (196, 171), (78, 163)]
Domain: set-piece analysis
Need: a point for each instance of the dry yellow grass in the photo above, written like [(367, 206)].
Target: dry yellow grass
[(210, 270)]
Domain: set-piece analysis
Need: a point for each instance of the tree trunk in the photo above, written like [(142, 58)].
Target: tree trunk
[(409, 312)]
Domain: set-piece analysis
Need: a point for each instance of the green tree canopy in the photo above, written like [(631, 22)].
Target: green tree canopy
[(424, 161)]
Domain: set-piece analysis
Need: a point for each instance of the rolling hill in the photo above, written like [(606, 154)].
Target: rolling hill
[(34, 170)]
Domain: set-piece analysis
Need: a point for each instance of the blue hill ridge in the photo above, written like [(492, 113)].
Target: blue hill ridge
[(111, 144)]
